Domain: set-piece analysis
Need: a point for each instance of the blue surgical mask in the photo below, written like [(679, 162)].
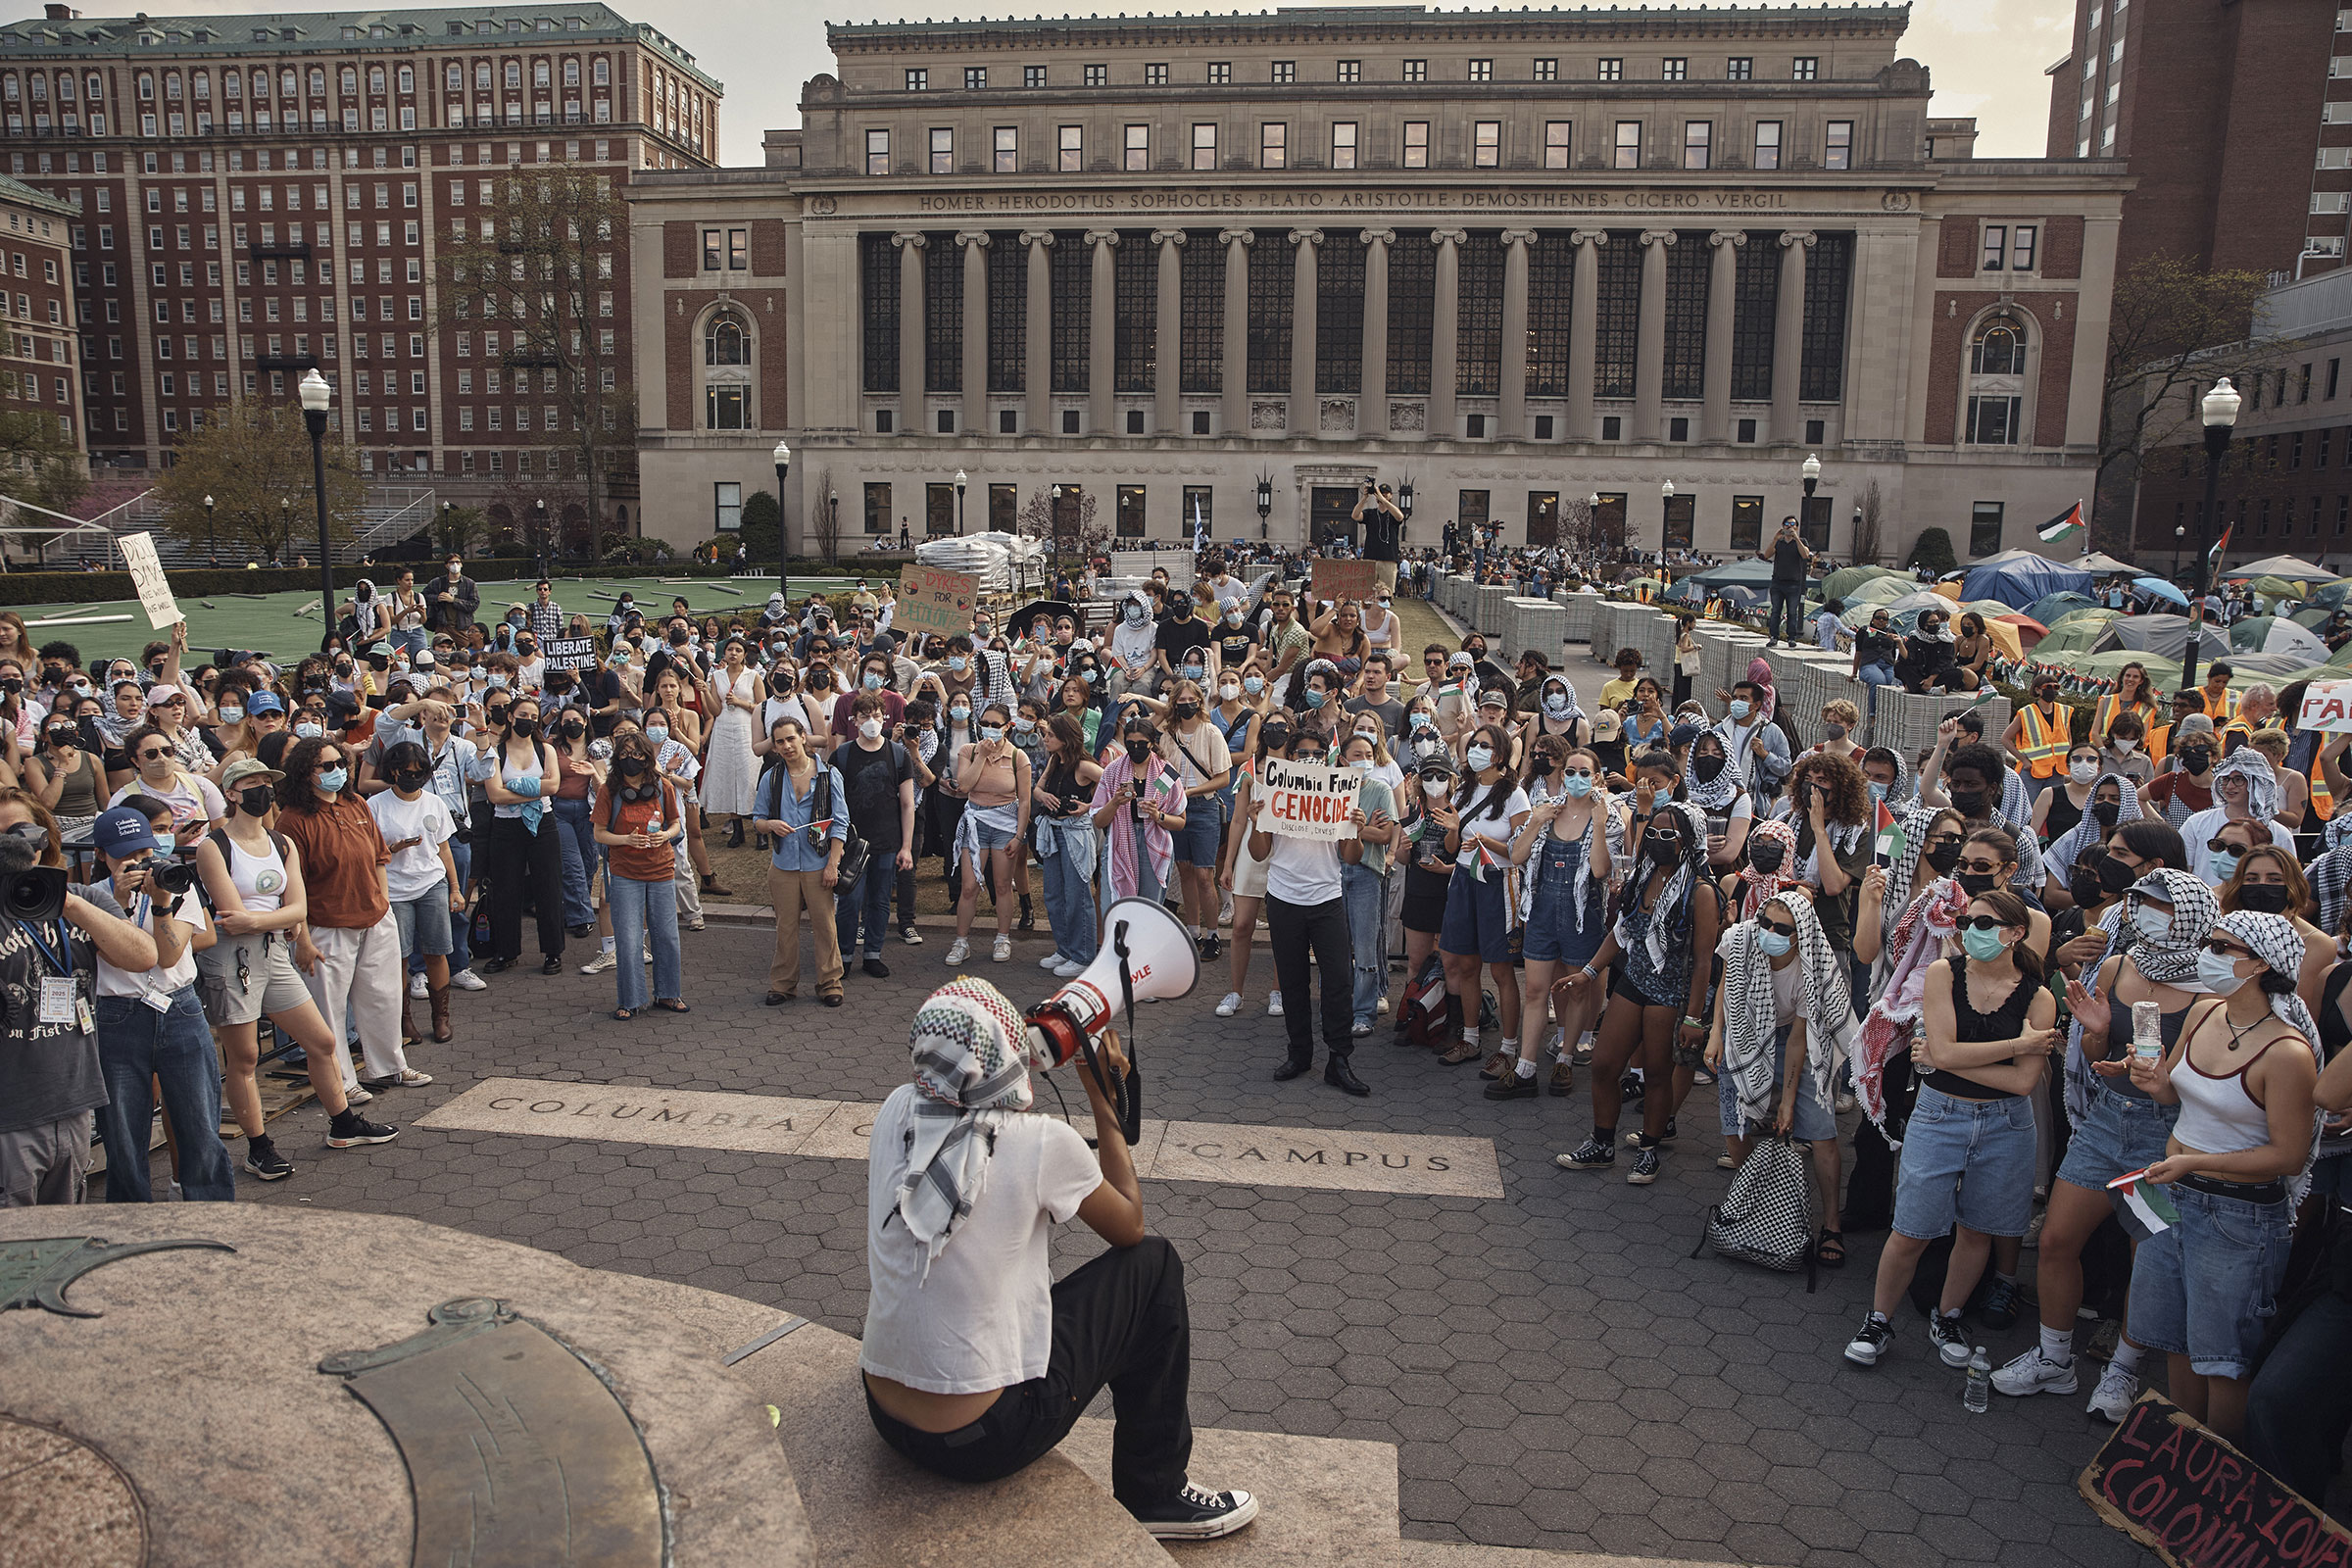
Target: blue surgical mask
[(1877, 792), (1479, 758), (1555, 707), (1578, 787), (333, 779), (959, 713), (2225, 867), (2218, 974), (1253, 685), (1982, 946), (1135, 615), (873, 682), (1771, 942), (1192, 672), (498, 683), (656, 733), (1739, 707), (1314, 698), (957, 663), (309, 730), (1421, 721)]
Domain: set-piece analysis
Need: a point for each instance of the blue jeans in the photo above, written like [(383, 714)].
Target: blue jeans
[(1070, 907), (461, 927), (137, 1048), (2206, 1287), (415, 640), (870, 896), (641, 910), (1364, 894), (577, 838), (1787, 604)]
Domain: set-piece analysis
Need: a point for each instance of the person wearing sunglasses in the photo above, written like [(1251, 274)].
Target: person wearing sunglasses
[(1576, 835), (66, 777), (2245, 788), (2264, 879), (1968, 1149), (197, 806)]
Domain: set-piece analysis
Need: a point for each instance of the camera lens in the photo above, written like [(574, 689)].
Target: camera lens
[(37, 893), (173, 876)]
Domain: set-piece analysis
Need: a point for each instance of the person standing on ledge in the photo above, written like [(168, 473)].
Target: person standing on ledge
[(979, 1372), (1791, 561), (1384, 532)]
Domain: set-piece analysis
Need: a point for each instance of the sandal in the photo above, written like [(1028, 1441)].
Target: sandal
[(672, 1005), (1829, 1250), (622, 1014)]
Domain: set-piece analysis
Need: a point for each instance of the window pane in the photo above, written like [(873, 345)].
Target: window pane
[(1985, 529), (1698, 138), (1747, 523), (1416, 144), (1768, 144), (1272, 145), (1629, 144)]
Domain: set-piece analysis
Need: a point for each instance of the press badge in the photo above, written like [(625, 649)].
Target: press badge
[(58, 998), (159, 1000)]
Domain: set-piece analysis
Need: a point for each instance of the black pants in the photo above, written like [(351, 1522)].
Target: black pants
[(1120, 1321), (1870, 1189), (1294, 929), (519, 859), (1780, 614), (2301, 1403)]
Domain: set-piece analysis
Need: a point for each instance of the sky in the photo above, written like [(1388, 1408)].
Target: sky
[(1986, 56)]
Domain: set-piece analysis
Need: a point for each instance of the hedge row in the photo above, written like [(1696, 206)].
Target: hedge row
[(20, 588)]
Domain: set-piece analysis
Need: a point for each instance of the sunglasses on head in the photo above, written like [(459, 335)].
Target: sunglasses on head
[(1980, 923)]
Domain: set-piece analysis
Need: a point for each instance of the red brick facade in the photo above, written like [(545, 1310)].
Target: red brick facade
[(2054, 315), (682, 311)]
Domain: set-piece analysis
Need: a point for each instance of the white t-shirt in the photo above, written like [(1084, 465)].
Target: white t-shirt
[(984, 1317), (144, 912), (1302, 870), (2199, 830), (1496, 830), (416, 871), (189, 795)]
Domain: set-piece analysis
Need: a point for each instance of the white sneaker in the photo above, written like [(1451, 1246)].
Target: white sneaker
[(959, 949), (1068, 969), (1383, 1006), (2035, 1373), (1052, 960), (1225, 910), (1273, 1004), (1361, 1029), (911, 936), (417, 991), (649, 952), (2114, 1396), (609, 958), (354, 1095), (468, 980), (1002, 950), (1230, 1005)]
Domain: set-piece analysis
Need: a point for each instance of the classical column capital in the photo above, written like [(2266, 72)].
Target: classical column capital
[(1378, 236), (1306, 236), (1728, 237), (1167, 236), (911, 239), (1238, 236), (1518, 236), (1797, 236), (1588, 236), (1037, 236), (1102, 236), (972, 236), (1657, 236), (1443, 237)]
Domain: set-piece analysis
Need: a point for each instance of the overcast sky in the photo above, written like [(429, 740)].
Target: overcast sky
[(1986, 56)]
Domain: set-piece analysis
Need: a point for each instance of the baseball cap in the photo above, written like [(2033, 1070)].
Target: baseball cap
[(244, 770), (162, 694), (423, 660), (264, 703), (2193, 724), (121, 831)]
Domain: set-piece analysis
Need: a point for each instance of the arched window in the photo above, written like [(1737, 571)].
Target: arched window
[(726, 373), (1997, 383), (1999, 350), (726, 343)]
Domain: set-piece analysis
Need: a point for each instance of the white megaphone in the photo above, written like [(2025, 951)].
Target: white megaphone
[(1138, 935)]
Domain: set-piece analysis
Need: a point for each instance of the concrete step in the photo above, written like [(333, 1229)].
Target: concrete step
[(1453, 1554), (1322, 1500)]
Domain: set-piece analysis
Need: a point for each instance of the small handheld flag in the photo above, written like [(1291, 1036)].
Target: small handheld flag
[(2147, 1207), (1890, 843)]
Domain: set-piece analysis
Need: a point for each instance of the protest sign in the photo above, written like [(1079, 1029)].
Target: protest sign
[(570, 652), (1343, 579), (147, 576), (932, 600), (2326, 707), (1307, 800), (2197, 1502)]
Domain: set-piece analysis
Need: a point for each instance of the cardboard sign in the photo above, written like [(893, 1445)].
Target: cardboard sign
[(570, 652), (2197, 1503), (147, 576), (1343, 579), (1307, 800), (932, 600), (2326, 707)]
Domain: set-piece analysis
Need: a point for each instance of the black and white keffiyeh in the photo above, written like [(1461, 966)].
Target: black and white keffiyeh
[(1716, 794), (2168, 960), (1651, 927), (2264, 793), (2274, 939), (1750, 1019), (2060, 856), (969, 1076)]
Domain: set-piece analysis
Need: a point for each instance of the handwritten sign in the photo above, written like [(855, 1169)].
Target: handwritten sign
[(1307, 800), (2197, 1503), (147, 576), (1343, 579), (570, 652), (932, 600), (2326, 707)]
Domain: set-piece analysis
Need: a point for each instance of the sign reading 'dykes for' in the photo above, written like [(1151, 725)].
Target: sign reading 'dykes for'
[(932, 600), (2326, 707), (2197, 1503), (1307, 800), (147, 576)]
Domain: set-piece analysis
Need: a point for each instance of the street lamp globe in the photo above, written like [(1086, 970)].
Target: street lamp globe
[(1812, 468), (2221, 404), (1667, 490), (783, 456), (314, 393), (961, 479)]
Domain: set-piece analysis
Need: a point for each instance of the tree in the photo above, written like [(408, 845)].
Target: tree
[(1933, 553), (535, 280), (1870, 525), (38, 463), (254, 459), (1074, 521), (824, 516), (460, 530), (762, 526), (2173, 328)]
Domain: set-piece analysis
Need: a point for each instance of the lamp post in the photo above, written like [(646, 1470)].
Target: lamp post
[(1265, 502), (316, 395), (1665, 519), (2180, 536), (2219, 412), (210, 553), (961, 479), (1053, 520), (1852, 540), (446, 525), (1592, 525), (783, 457), (539, 536)]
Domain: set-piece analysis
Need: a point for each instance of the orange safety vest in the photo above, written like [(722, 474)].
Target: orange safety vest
[(2228, 706), (2110, 708), (2156, 743), (2322, 798), (2046, 741)]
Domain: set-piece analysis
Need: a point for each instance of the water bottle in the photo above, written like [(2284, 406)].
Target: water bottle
[(1978, 1395)]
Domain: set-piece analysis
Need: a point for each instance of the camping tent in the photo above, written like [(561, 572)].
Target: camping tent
[(2293, 568), (2095, 616), (2071, 637), (1846, 580), (2106, 565), (2050, 606), (2274, 634), (2019, 577)]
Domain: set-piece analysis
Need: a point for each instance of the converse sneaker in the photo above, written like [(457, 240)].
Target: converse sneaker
[(2114, 1396), (1196, 1515), (468, 980), (351, 1129), (1273, 1004), (1867, 1346), (2034, 1373), (1998, 1303), (406, 1078), (353, 1095), (609, 958), (911, 936), (263, 1159), (1647, 1159), (1632, 1140), (1594, 1153), (1002, 950), (959, 950), (418, 989), (1230, 1005), (1950, 1340)]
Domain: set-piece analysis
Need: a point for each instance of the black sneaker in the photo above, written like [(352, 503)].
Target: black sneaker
[(1629, 1089), (1998, 1303), (1212, 947), (263, 1159), (351, 1128), (1640, 1139), (1865, 1349), (1195, 1515), (877, 968), (1515, 1085), (1594, 1153), (1950, 1340), (1645, 1167)]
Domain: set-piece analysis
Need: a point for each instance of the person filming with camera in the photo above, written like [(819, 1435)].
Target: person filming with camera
[(976, 1362)]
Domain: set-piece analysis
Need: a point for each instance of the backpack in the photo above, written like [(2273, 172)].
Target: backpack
[(1767, 1216), (1422, 1010)]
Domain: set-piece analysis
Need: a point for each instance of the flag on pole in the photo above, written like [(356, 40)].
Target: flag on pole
[(1889, 837), (1482, 857), (2147, 1207), (2223, 543), (1200, 528), (2062, 527)]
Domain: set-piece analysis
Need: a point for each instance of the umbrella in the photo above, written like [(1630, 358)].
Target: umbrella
[(2161, 589), (2019, 577), (1742, 597), (2294, 567), (2276, 587), (2050, 606)]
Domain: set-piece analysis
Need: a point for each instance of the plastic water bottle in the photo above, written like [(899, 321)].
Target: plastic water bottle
[(1978, 1395)]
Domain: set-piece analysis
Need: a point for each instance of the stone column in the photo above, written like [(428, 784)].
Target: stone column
[(1372, 392), (1788, 337), (1649, 344), (1513, 421), (975, 418), (911, 404), (1584, 331), (1036, 334), (1307, 417), (1445, 328), (1167, 345), (1723, 277), (1102, 340), (1234, 407)]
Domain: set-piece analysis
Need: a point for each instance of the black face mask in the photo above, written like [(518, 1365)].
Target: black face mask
[(410, 779), (1706, 770), (257, 799), (2085, 888), (1188, 709), (2104, 812), (573, 731), (1664, 850), (2263, 897), (631, 766), (1969, 803), (1941, 857), (1139, 751), (1275, 741), (63, 737), (1976, 883), (2196, 761), (2114, 875), (526, 727), (1766, 857)]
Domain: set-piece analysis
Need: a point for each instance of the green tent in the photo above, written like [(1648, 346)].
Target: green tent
[(1845, 581), (2089, 615), (2070, 636)]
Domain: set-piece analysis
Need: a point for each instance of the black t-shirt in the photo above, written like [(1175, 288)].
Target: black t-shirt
[(1787, 561), (599, 687), (48, 1071), (1873, 648), (1176, 638), (1382, 535), (871, 780), (1234, 645)]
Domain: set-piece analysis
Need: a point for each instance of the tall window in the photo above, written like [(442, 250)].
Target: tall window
[(1136, 154), (877, 508), (1478, 340), (878, 292), (1558, 140), (1838, 148), (942, 150), (1984, 529), (1687, 263), (1412, 294), (1135, 302), (1999, 350), (1271, 265), (1822, 377), (1699, 143), (943, 314), (939, 509), (1343, 144), (1768, 144), (726, 507), (1339, 315), (1416, 144), (1550, 286), (1996, 247), (1006, 155), (1273, 144), (1755, 308), (1629, 145), (1069, 155), (1747, 523), (1617, 313), (1007, 312), (1486, 144), (1201, 275), (1131, 512), (877, 151), (1204, 146), (1070, 273)]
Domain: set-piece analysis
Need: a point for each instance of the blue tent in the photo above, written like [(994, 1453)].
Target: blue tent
[(2019, 577), (2049, 608)]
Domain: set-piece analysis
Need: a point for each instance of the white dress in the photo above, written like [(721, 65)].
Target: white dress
[(730, 771)]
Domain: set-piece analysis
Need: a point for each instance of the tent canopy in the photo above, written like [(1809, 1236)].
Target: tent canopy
[(2049, 607), (2289, 566), (2071, 637), (2106, 565), (2276, 634), (1846, 580), (2092, 615), (2019, 577)]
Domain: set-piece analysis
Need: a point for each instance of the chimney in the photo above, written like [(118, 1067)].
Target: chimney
[(58, 13)]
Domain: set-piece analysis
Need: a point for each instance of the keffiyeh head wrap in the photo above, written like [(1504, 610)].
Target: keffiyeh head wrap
[(1668, 916), (1758, 888), (1917, 942), (2274, 939), (969, 1075), (2060, 854), (1751, 1018), (1760, 673), (1717, 794), (2264, 793), (2171, 960)]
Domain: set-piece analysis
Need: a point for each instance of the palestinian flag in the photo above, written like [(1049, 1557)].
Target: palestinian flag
[(2223, 543), (1415, 828), (1890, 835), (2062, 527), (1483, 856), (2145, 1206)]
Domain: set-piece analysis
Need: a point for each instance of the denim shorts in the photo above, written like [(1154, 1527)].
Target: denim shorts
[(1204, 825), (2120, 1133), (1551, 933), (1813, 1125), (986, 838), (424, 922), (1971, 1160), (1476, 921), (2204, 1288)]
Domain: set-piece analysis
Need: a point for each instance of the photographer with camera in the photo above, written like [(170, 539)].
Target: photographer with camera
[(1384, 531), (51, 1081), (976, 1362)]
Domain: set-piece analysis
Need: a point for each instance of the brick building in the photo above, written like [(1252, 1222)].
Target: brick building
[(2234, 120), (1521, 261), (252, 195), (40, 354)]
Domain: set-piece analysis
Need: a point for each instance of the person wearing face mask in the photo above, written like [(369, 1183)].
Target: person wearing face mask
[(638, 817), (1576, 836), (729, 770), (878, 784), (1134, 646), (1364, 882), (1306, 913), (1558, 714), (1755, 749), (454, 599), (1138, 802), (1839, 720), (2245, 790), (2126, 751), (1713, 785), (421, 878), (196, 804), (2059, 810), (1924, 661), (1234, 641), (66, 777), (519, 774), (994, 778), (2038, 738), (2265, 879), (1241, 875), (577, 770), (1237, 715), (2112, 801), (1196, 748), (1967, 1150), (1489, 809)]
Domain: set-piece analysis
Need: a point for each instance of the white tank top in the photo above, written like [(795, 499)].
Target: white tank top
[(261, 879), (2220, 1115), (509, 771)]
